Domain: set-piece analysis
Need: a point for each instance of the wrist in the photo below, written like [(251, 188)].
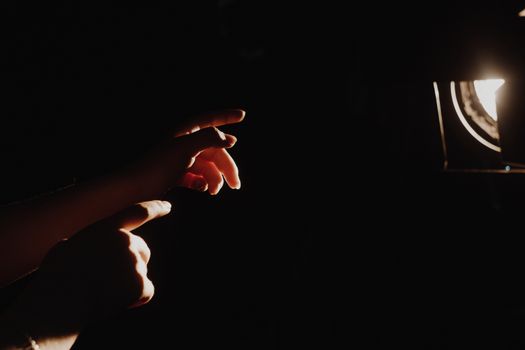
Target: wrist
[(47, 314), (30, 331)]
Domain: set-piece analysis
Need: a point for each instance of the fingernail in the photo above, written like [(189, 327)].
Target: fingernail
[(166, 205)]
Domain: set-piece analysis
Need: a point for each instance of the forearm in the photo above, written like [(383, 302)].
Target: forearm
[(28, 230)]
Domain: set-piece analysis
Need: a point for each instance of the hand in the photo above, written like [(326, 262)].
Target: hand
[(195, 158), (100, 270)]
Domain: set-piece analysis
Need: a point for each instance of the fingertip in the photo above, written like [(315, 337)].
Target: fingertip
[(166, 205), (230, 140), (199, 184), (216, 188), (242, 114), (235, 185), (236, 115), (163, 208), (227, 139)]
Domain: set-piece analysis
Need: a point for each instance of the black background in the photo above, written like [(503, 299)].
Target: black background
[(345, 230)]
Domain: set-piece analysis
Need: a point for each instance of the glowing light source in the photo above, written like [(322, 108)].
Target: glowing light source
[(470, 127), (486, 91), (466, 124)]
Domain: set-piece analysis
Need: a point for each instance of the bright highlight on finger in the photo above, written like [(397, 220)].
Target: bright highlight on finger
[(226, 165), (192, 145), (211, 119), (210, 172), (137, 215), (141, 247)]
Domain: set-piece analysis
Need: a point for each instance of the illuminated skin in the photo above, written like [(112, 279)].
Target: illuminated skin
[(99, 271), (195, 158)]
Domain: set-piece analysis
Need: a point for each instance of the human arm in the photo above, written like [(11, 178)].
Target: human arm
[(194, 158), (99, 271)]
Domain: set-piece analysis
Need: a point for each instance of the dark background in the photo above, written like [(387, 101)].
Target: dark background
[(346, 230)]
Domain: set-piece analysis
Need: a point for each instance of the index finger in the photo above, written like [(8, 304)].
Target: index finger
[(139, 214), (206, 120)]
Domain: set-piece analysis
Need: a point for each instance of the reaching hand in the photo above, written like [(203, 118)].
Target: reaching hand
[(195, 158), (103, 268)]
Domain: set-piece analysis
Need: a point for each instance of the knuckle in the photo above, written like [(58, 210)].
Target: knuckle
[(123, 238), (141, 268), (139, 246), (147, 251), (135, 240), (131, 259), (149, 291), (142, 246)]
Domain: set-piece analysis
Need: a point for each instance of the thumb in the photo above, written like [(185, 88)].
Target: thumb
[(139, 214), (191, 145)]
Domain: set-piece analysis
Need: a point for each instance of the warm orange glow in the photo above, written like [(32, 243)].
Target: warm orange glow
[(486, 91), (522, 13)]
